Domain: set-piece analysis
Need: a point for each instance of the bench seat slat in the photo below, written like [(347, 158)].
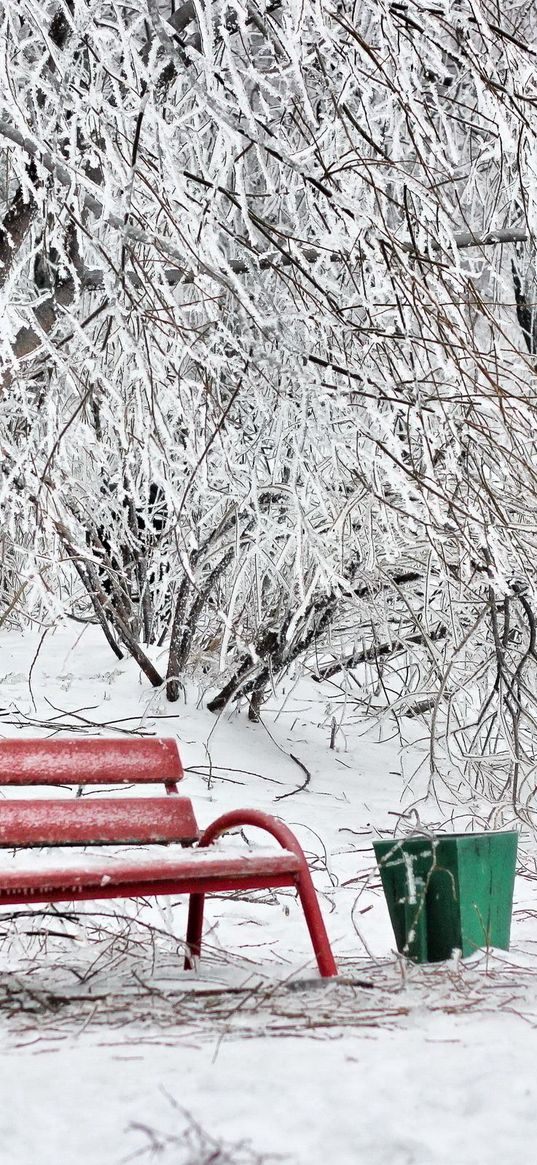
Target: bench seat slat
[(99, 821), (89, 761), (200, 871)]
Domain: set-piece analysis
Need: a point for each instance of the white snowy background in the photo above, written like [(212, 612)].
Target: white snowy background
[(268, 344)]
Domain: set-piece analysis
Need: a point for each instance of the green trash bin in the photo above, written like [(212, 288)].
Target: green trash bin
[(449, 892)]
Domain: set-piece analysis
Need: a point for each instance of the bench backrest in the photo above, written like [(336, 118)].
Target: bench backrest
[(94, 820), (88, 761)]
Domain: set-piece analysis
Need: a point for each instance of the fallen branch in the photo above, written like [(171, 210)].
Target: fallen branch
[(370, 654)]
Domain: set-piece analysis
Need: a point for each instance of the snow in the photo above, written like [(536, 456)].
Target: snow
[(399, 1098), (111, 1053)]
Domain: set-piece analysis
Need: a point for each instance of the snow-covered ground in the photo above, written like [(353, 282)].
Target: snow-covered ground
[(110, 1053)]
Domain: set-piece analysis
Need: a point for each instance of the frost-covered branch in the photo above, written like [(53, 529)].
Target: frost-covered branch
[(274, 266)]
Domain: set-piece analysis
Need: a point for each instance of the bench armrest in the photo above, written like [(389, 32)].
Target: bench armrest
[(255, 817)]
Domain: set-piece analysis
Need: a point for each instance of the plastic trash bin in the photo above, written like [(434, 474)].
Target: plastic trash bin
[(449, 892)]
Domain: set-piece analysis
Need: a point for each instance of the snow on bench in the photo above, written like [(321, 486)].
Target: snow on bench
[(198, 863)]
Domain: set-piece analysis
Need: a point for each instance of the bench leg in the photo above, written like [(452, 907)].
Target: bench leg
[(194, 930), (314, 920)]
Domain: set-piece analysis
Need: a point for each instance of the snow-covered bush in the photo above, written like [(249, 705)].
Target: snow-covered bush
[(272, 263)]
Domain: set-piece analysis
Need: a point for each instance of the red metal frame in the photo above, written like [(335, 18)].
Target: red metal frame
[(195, 872), (306, 891)]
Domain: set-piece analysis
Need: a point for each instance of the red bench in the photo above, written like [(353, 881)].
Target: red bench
[(200, 869)]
